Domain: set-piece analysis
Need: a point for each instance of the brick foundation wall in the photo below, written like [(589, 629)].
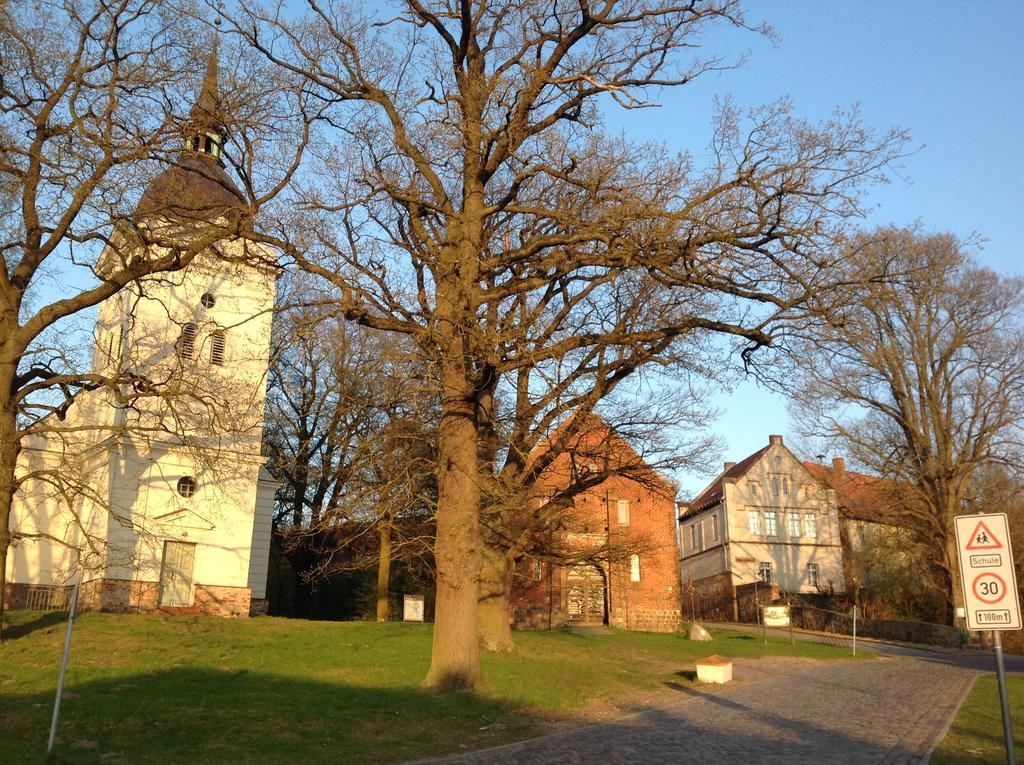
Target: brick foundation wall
[(129, 596), (118, 595)]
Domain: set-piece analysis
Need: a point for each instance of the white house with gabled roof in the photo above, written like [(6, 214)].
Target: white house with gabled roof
[(766, 518)]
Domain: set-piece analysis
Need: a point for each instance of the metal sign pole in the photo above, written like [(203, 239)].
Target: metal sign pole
[(63, 670), (854, 630), (1004, 701)]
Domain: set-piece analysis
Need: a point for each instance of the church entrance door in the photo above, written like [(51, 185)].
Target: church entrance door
[(585, 596), (176, 574)]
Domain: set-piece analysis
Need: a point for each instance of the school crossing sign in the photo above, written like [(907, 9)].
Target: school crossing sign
[(986, 569)]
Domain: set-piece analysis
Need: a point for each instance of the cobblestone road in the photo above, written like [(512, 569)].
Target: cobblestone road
[(891, 710)]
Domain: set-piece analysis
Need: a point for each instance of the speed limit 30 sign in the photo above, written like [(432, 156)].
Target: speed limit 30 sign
[(986, 569)]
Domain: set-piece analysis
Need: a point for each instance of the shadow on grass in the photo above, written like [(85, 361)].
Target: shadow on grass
[(183, 715), (43, 620)]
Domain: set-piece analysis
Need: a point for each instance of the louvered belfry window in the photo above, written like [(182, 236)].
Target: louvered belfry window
[(217, 342), (187, 341)]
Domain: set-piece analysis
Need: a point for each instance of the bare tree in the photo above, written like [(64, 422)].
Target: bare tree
[(94, 100), (465, 183), (352, 432), (921, 377)]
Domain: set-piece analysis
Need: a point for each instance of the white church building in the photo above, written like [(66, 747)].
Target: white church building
[(156, 495)]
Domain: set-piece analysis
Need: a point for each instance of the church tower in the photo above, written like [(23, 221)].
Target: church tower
[(175, 506)]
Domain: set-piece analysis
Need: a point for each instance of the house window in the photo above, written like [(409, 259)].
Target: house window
[(217, 342), (538, 570), (785, 486), (810, 525), (764, 571), (634, 568), (714, 528), (794, 525), (753, 521), (187, 341), (812, 574), (771, 527), (186, 486), (753, 489), (775, 486), (623, 508), (695, 537)]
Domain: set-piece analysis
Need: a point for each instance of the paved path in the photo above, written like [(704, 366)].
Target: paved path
[(887, 711)]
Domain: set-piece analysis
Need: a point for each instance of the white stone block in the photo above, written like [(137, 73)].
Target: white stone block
[(714, 669)]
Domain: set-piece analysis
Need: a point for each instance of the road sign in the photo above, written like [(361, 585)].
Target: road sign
[(986, 569)]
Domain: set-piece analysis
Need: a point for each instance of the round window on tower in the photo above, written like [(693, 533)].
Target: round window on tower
[(208, 300), (186, 486)]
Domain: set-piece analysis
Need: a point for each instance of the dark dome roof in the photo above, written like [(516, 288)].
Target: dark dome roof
[(195, 188)]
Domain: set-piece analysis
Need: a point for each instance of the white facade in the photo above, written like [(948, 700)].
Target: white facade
[(136, 486), (768, 519)]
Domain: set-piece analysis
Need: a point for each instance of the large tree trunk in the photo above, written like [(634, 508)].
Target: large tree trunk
[(954, 586), (384, 571), (495, 601), (10, 446), (455, 657)]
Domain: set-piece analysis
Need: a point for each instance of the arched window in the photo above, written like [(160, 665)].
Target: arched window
[(186, 486), (187, 341), (218, 340)]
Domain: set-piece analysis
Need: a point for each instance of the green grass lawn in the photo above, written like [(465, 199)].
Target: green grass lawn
[(155, 689), (976, 735)]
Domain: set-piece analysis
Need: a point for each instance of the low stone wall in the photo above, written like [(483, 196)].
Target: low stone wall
[(708, 598), (902, 631), (654, 620), (537, 618)]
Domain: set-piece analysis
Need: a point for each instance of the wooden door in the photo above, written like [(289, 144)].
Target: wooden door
[(585, 596), (176, 574)]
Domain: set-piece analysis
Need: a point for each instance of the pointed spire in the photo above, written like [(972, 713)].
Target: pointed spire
[(207, 113)]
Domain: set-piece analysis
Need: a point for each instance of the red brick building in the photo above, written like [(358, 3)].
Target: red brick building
[(611, 558)]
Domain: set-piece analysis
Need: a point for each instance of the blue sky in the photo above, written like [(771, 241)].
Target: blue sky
[(951, 73)]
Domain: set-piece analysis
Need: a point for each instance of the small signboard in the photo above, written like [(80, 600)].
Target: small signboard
[(986, 569), (776, 616), (412, 608)]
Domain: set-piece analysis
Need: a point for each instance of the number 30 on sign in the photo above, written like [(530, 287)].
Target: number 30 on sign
[(986, 569)]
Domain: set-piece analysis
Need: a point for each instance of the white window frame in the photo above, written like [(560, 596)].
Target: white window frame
[(810, 525), (634, 568), (622, 507), (754, 521), (764, 571), (813, 574), (771, 523), (794, 524)]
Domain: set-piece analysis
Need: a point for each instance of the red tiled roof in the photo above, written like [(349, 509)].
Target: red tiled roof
[(862, 497), (715, 491)]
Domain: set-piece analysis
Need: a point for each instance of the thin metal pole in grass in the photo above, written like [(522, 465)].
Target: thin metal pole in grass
[(63, 668)]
